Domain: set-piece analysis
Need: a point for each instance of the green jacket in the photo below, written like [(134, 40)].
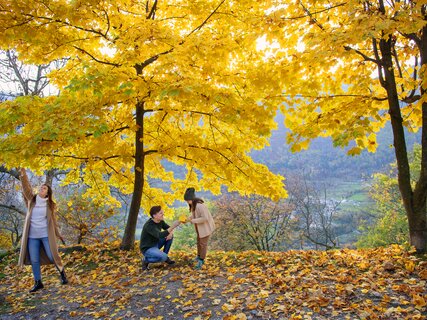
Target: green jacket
[(152, 233)]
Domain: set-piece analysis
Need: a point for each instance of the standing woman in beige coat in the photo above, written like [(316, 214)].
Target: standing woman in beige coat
[(203, 223), (38, 244)]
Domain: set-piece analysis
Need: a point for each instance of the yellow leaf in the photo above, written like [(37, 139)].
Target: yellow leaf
[(89, 303), (418, 301), (263, 294), (410, 266), (252, 306), (183, 218), (149, 309), (423, 274), (227, 307), (363, 265)]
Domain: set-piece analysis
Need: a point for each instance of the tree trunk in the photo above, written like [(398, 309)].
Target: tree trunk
[(80, 238), (413, 202), (418, 224), (49, 177), (129, 234)]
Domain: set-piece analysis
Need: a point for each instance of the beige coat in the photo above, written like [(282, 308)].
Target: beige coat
[(52, 229), (202, 218)]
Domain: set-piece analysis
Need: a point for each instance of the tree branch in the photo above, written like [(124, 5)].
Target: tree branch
[(315, 12), (364, 56), (152, 13), (96, 59), (140, 66), (11, 207), (13, 172), (312, 19), (206, 20)]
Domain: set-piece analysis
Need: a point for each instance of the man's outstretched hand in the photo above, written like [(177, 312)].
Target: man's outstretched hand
[(176, 223)]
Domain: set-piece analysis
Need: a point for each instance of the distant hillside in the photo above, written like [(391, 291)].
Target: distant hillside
[(323, 161)]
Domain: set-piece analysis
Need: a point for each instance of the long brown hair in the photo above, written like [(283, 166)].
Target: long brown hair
[(51, 203), (192, 207)]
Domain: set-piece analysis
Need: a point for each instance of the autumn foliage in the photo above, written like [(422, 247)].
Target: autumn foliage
[(384, 283), (82, 217), (198, 84)]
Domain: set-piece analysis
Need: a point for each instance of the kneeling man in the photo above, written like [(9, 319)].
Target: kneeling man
[(156, 234)]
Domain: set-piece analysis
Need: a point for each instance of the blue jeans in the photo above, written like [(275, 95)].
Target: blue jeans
[(154, 254), (34, 247), (166, 244)]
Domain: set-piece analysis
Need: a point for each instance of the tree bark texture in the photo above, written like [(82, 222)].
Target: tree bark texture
[(128, 240), (414, 201)]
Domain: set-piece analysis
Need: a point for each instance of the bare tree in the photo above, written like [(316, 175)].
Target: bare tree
[(251, 223), (11, 222), (12, 210), (19, 79), (315, 212)]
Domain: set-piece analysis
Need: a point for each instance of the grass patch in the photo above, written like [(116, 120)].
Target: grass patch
[(89, 266), (5, 307), (360, 196), (5, 254), (346, 189), (33, 302)]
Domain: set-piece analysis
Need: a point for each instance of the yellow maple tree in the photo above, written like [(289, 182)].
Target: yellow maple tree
[(198, 84), (351, 67), (147, 85)]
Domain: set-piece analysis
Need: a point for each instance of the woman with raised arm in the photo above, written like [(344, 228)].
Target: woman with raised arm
[(38, 243), (203, 223)]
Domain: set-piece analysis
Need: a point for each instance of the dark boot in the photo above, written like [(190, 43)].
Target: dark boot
[(64, 279), (199, 264), (169, 261), (144, 265), (37, 286)]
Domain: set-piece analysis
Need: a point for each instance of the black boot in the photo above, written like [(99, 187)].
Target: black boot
[(37, 286), (144, 265), (63, 277)]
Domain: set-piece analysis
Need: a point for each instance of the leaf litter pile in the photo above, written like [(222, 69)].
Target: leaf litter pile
[(106, 283)]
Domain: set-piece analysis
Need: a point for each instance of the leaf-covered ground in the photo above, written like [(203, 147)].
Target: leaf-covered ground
[(106, 283)]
